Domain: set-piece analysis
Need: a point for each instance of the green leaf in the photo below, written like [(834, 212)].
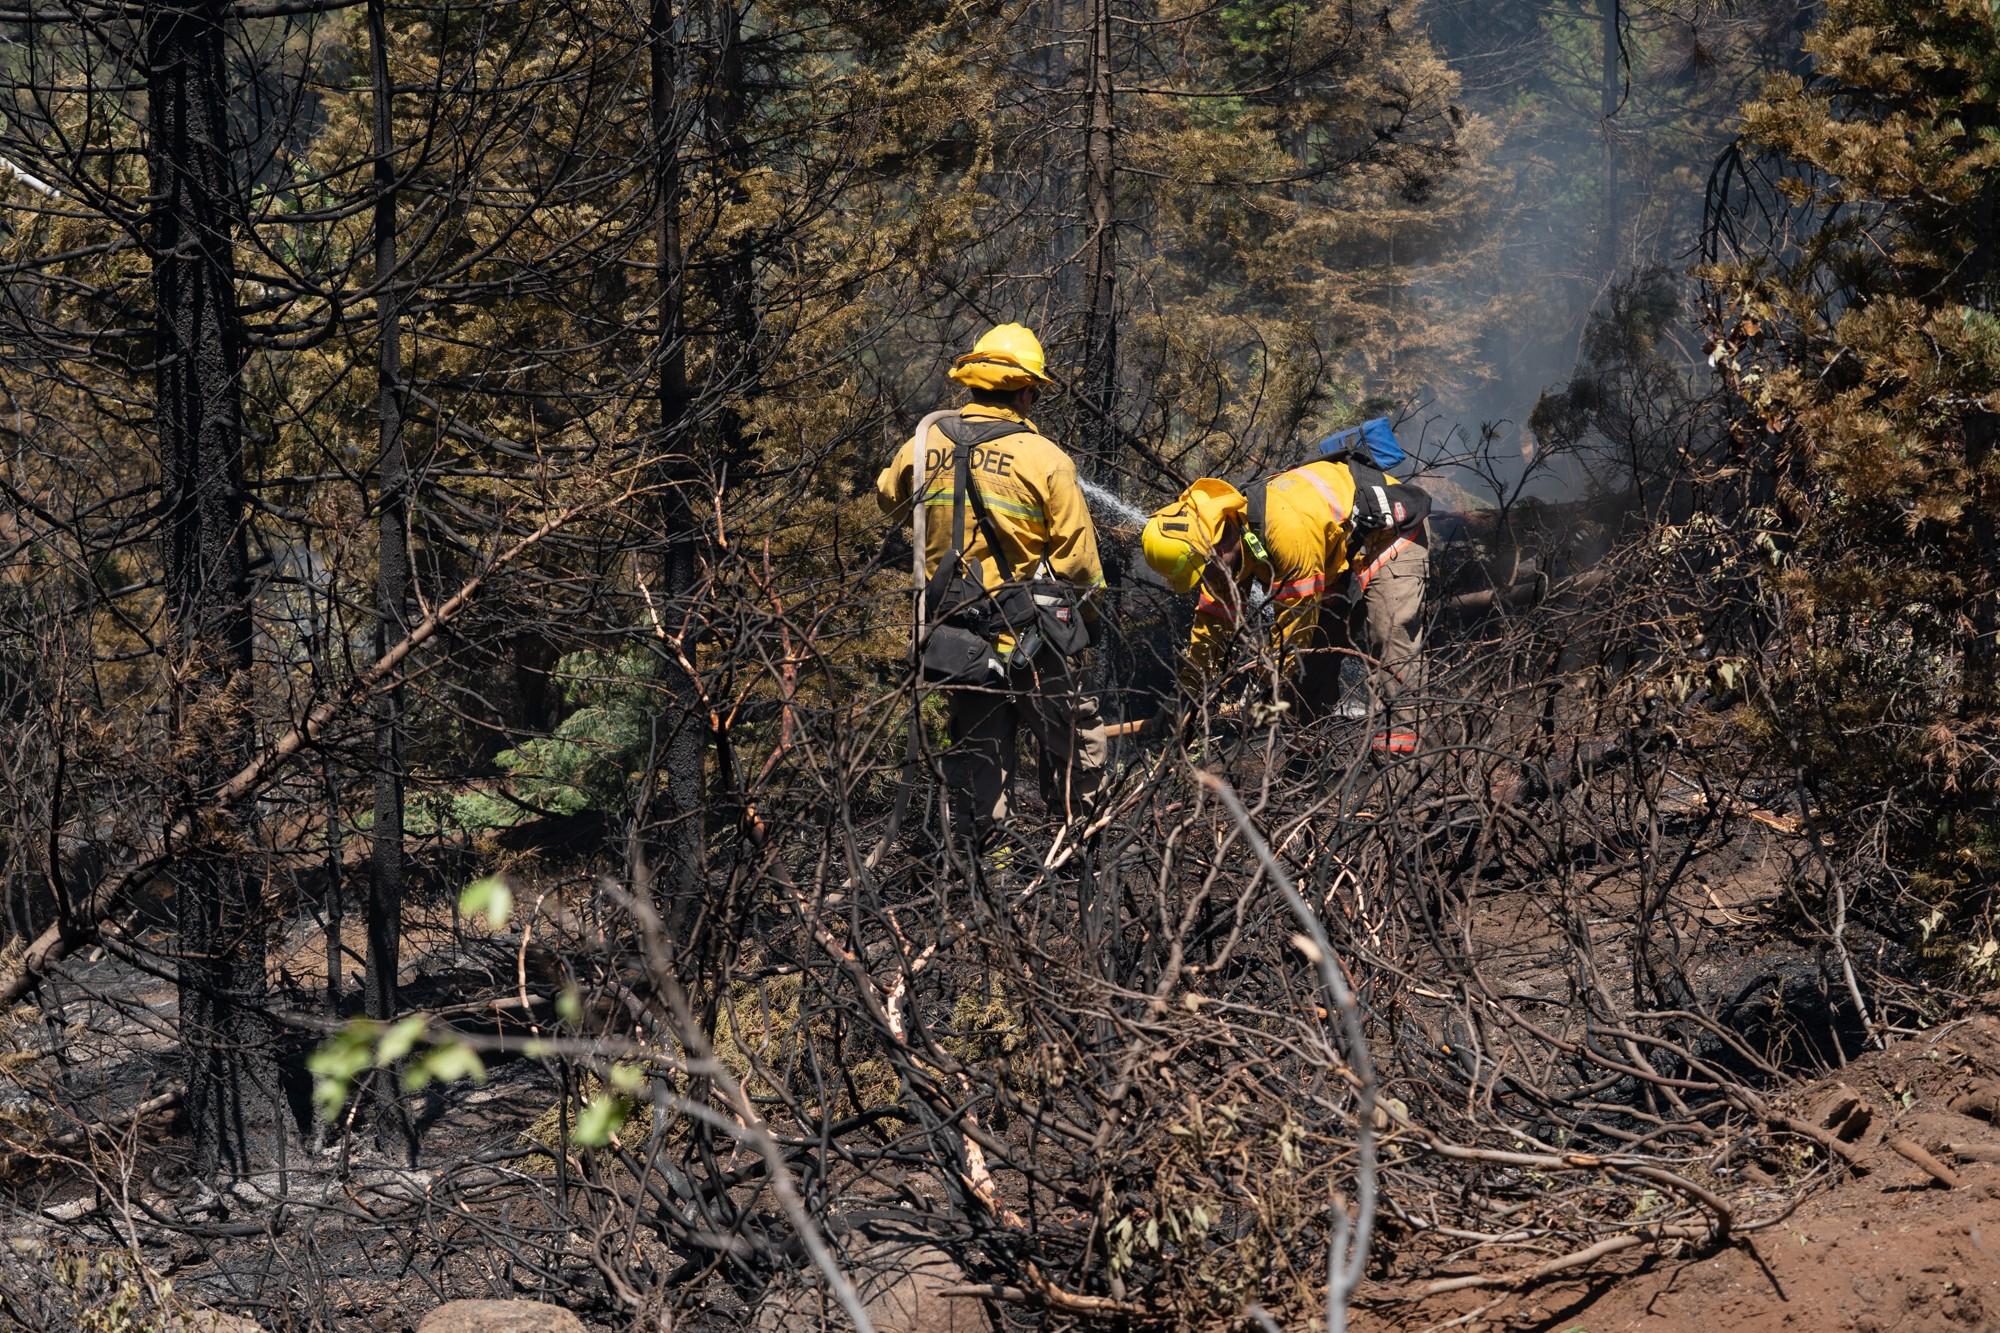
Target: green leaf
[(490, 898), (600, 1120), (336, 1062), (347, 1052), (400, 1040), (569, 1006), (628, 1079), (444, 1063), (329, 1097)]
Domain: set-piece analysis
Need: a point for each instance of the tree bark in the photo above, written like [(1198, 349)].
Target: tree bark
[(1608, 97), (668, 855), (733, 282), (233, 1102), (1099, 436), (393, 1129)]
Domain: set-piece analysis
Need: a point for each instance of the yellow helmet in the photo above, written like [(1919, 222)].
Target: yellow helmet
[(1180, 538), (1008, 357)]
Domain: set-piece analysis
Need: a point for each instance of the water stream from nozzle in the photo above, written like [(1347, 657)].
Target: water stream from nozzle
[(1122, 514)]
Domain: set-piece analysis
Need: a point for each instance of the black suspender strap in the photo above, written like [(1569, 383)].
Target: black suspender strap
[(961, 478), (963, 443), (985, 519)]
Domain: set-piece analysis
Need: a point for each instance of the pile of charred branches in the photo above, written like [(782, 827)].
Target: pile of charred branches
[(1287, 1027)]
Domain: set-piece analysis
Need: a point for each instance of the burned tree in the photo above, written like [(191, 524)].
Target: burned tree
[(392, 581), (198, 355), (670, 846)]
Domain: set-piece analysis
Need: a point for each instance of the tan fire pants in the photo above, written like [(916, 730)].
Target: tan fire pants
[(1048, 699), (1387, 625)]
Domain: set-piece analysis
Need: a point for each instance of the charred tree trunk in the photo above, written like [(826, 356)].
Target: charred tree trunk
[(1608, 99), (1100, 323), (1098, 439), (393, 1130), (668, 855), (733, 279), (1098, 434), (232, 1097)]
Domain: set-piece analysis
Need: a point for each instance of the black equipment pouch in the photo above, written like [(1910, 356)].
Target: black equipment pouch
[(956, 597), (1038, 612), (1043, 613), (958, 648), (1059, 611), (954, 656), (1380, 507)]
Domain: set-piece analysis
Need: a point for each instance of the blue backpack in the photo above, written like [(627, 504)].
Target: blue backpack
[(1372, 442)]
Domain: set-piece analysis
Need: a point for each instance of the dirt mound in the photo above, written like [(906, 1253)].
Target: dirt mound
[(1899, 1227), (1889, 1251)]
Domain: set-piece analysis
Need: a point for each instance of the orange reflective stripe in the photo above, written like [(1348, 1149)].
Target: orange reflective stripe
[(1206, 605), (1309, 586), (1388, 553), (1321, 485), (1394, 742)]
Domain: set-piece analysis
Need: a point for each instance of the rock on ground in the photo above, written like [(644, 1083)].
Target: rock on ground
[(500, 1317)]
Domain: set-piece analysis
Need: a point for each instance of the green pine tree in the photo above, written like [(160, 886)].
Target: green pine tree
[(1865, 355)]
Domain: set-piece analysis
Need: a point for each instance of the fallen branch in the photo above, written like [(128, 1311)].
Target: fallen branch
[(74, 1138), (1610, 1245), (1531, 590), (1930, 1165), (1982, 1102), (1046, 1295), (1522, 1277), (1974, 1152), (1825, 1140)]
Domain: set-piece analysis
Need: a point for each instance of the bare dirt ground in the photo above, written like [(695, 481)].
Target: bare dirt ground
[(1889, 1252), (1882, 1245)]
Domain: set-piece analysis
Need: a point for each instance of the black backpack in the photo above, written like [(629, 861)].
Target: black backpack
[(966, 620), (1378, 506)]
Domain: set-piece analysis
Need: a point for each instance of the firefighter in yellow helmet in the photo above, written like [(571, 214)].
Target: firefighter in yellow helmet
[(1343, 562), (1035, 511)]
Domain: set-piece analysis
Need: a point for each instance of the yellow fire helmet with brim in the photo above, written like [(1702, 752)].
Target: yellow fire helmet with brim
[(1006, 358), (1180, 538)]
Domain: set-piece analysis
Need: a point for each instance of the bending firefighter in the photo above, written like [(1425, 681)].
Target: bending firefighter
[(1011, 561), (1342, 549)]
